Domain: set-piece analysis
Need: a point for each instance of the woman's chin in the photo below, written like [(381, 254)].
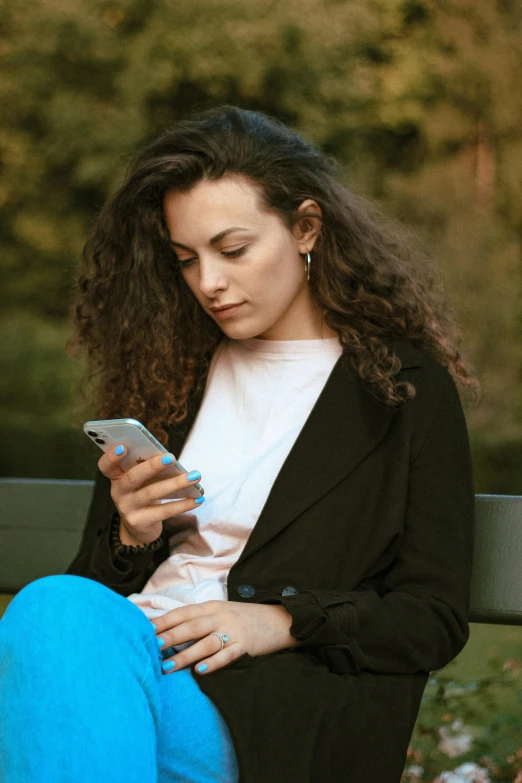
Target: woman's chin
[(242, 331)]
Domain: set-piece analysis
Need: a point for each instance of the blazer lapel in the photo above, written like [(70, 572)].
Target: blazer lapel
[(344, 426)]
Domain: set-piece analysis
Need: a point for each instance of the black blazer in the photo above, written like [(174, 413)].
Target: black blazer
[(366, 538)]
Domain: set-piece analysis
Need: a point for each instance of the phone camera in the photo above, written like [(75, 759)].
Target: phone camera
[(99, 440), (92, 434)]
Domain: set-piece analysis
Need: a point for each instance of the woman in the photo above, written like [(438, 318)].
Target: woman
[(299, 610)]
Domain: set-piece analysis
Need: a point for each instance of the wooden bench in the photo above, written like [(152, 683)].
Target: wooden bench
[(41, 523)]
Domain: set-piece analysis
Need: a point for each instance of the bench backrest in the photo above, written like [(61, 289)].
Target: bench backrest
[(41, 522)]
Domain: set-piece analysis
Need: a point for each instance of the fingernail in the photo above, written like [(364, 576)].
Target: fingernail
[(168, 459), (203, 667), (168, 666), (119, 451), (194, 475), (160, 642), (199, 501)]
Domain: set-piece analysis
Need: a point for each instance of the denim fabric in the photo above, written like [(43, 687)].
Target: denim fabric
[(83, 697)]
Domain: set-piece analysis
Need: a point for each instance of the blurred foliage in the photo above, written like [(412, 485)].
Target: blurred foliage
[(420, 99), (469, 726)]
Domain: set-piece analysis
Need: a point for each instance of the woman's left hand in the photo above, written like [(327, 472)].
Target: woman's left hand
[(256, 629)]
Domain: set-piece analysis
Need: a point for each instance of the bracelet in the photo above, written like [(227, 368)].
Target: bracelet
[(128, 549)]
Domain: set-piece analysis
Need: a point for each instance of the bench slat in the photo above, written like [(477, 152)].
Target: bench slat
[(41, 524)]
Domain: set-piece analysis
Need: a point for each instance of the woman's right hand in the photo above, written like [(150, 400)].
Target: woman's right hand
[(140, 516)]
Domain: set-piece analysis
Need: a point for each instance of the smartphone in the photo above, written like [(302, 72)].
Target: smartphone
[(141, 445)]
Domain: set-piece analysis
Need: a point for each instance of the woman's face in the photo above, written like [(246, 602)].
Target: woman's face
[(232, 252)]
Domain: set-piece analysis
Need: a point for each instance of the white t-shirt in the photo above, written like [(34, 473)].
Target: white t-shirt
[(257, 398)]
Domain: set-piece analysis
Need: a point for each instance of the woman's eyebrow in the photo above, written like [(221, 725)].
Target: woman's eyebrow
[(214, 240)]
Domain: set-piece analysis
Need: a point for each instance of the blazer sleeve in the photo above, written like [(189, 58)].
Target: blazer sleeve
[(95, 559), (417, 620)]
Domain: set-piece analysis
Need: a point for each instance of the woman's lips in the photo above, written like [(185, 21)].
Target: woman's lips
[(229, 312)]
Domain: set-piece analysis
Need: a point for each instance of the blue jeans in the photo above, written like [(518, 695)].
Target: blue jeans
[(83, 697)]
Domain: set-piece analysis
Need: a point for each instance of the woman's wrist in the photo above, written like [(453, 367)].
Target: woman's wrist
[(124, 543), (126, 538), (285, 619)]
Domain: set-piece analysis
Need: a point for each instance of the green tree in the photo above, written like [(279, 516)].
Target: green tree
[(420, 99)]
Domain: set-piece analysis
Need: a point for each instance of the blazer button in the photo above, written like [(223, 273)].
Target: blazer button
[(289, 591), (246, 591)]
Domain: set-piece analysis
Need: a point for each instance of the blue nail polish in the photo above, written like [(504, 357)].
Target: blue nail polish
[(194, 475), (168, 666), (160, 642), (119, 451), (203, 667), (199, 501), (168, 459)]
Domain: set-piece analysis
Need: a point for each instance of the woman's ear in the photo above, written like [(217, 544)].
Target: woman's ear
[(307, 228)]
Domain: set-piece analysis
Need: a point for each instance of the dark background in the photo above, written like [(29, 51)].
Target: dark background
[(422, 102)]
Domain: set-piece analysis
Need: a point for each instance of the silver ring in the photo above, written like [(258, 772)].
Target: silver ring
[(222, 637)]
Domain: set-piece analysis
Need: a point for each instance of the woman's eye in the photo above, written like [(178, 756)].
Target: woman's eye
[(235, 253), (184, 263)]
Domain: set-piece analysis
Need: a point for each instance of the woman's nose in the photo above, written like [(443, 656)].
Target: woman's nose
[(211, 279)]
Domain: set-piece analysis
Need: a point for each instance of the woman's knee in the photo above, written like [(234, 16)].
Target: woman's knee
[(58, 585), (44, 598), (75, 610)]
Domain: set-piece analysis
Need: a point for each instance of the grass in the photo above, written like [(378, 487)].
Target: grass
[(485, 642)]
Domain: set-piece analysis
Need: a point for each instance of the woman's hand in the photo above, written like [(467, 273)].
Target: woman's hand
[(140, 516), (256, 629)]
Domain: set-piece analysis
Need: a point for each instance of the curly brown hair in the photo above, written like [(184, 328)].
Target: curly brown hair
[(149, 343)]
